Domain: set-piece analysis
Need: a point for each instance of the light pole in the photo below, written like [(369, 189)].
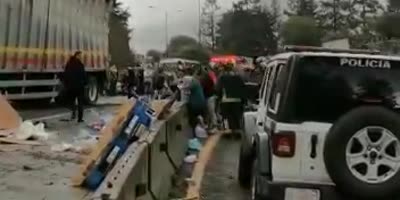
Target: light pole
[(166, 34), (166, 28), (199, 7)]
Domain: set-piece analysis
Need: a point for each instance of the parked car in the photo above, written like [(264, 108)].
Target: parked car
[(327, 128)]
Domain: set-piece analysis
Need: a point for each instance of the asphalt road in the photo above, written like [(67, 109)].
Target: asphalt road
[(220, 180), (44, 172), (28, 110)]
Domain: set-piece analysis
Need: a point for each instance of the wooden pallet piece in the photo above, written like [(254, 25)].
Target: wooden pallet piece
[(106, 136), (162, 107), (9, 117), (158, 107), (20, 142)]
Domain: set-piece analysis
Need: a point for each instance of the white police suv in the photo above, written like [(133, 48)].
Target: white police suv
[(327, 128)]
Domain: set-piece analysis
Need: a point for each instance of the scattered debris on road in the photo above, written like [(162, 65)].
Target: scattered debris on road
[(9, 117), (28, 131), (20, 142), (27, 168)]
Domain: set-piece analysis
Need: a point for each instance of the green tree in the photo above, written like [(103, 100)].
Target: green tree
[(394, 6), (368, 13), (275, 10), (208, 23), (353, 19), (247, 30), (387, 26), (119, 37), (182, 46), (293, 31), (154, 54), (180, 42), (306, 8), (331, 15), (368, 9)]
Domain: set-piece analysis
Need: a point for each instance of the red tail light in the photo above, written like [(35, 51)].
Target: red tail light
[(284, 144)]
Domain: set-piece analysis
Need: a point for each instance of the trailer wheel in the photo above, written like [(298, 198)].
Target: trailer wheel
[(92, 91)]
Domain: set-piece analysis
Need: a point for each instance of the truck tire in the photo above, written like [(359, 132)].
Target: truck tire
[(92, 91), (246, 161), (361, 153)]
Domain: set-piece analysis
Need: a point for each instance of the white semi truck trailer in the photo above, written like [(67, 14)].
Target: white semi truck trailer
[(37, 37)]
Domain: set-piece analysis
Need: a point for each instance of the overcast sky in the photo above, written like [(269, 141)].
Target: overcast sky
[(149, 23)]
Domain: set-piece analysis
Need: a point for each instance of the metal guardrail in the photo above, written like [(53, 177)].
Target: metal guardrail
[(144, 172)]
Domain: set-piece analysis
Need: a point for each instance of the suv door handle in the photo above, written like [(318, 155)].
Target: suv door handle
[(314, 142)]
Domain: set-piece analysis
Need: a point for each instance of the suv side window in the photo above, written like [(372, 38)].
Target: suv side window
[(271, 70), (264, 80), (264, 87), (274, 97)]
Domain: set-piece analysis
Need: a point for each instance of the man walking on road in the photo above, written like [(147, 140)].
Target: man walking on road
[(159, 82), (208, 82), (231, 93), (74, 80), (194, 96)]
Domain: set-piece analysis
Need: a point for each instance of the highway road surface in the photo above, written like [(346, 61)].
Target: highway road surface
[(220, 179)]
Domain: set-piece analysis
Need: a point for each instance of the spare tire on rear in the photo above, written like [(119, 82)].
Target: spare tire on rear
[(362, 153)]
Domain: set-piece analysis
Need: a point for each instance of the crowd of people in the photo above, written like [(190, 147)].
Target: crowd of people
[(217, 95), (214, 95)]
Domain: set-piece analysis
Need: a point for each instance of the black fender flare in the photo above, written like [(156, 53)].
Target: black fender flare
[(263, 154), (247, 136)]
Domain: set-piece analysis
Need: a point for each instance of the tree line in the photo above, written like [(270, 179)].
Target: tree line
[(119, 37), (250, 28)]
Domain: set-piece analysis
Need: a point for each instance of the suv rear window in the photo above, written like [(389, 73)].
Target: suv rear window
[(327, 87)]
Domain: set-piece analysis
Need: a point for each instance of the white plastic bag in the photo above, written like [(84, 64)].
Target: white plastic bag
[(200, 132), (190, 159), (61, 147), (28, 130)]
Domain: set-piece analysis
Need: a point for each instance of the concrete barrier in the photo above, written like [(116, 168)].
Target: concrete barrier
[(144, 172)]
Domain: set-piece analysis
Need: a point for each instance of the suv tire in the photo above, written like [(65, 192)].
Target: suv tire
[(259, 185), (245, 168), (346, 131)]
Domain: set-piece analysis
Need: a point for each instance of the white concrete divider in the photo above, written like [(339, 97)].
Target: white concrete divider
[(145, 171)]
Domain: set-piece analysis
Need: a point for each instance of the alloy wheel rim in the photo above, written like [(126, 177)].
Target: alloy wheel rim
[(373, 155)]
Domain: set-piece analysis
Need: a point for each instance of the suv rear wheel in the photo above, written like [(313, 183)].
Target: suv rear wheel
[(246, 160), (259, 185), (362, 153)]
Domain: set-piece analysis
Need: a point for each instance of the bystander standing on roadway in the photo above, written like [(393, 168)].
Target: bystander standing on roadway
[(74, 80), (130, 82), (208, 82), (194, 96), (231, 93)]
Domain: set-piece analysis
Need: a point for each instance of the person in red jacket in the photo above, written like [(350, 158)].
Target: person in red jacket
[(208, 82)]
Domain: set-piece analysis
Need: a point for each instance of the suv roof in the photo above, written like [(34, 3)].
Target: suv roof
[(287, 55), (330, 52)]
